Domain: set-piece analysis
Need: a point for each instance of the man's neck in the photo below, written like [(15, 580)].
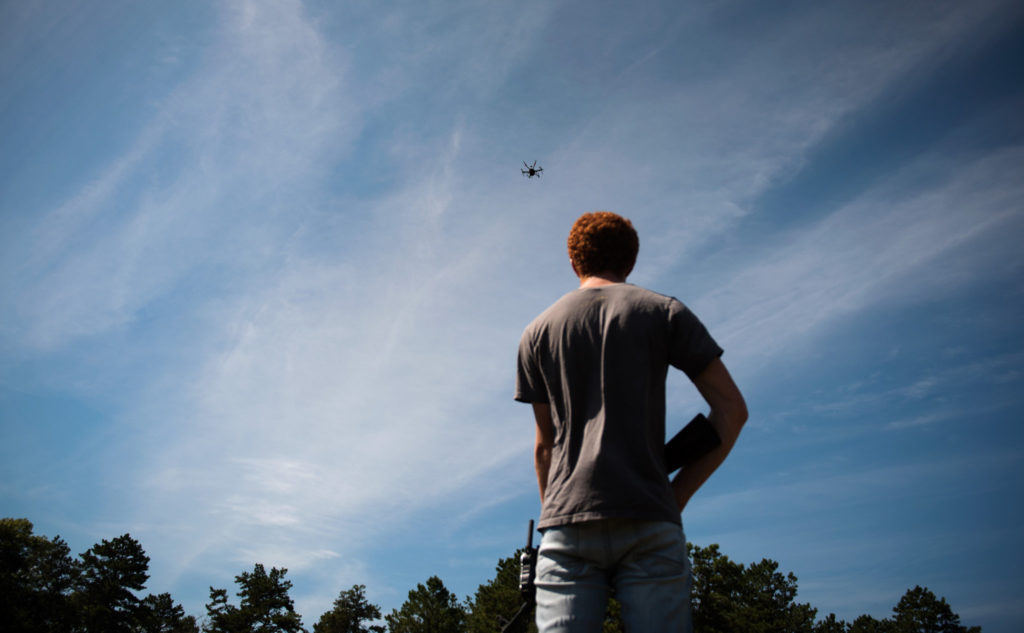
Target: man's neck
[(601, 279)]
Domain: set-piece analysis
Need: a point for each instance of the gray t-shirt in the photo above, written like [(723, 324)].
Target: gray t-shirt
[(599, 356)]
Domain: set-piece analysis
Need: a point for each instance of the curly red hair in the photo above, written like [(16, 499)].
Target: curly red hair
[(603, 242)]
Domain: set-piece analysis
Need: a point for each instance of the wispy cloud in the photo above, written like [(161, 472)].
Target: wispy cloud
[(886, 246), (241, 142)]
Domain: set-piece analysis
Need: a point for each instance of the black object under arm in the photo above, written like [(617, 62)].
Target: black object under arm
[(697, 439)]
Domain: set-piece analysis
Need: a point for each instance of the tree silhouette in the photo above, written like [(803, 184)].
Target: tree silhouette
[(429, 609), (111, 571), (265, 607), (36, 579), (867, 624), (160, 614), (830, 625), (496, 602), (729, 596), (350, 611), (44, 590), (919, 611)]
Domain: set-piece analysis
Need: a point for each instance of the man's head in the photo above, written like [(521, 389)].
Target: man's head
[(603, 242)]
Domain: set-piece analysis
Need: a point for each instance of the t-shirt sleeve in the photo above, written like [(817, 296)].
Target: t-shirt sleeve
[(529, 380), (691, 348)]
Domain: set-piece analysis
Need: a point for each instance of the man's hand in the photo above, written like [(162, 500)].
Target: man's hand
[(728, 414)]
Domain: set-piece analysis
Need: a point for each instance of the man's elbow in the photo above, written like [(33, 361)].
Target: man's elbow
[(542, 452), (736, 410), (740, 412), (726, 400), (733, 415)]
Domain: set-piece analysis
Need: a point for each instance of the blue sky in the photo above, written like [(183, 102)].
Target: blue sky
[(264, 267)]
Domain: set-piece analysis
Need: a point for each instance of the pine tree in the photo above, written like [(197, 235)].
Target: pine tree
[(429, 609), (919, 611), (111, 571), (36, 579), (265, 607), (495, 603), (350, 611)]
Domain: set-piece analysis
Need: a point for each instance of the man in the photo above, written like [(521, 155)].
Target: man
[(594, 365)]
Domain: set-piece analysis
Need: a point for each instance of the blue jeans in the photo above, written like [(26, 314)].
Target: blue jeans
[(644, 561)]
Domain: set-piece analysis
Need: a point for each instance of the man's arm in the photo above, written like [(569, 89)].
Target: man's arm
[(728, 413), (542, 446)]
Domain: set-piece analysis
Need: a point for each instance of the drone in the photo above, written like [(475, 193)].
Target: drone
[(531, 170)]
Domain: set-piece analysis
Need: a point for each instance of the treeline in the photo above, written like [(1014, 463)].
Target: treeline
[(44, 589)]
